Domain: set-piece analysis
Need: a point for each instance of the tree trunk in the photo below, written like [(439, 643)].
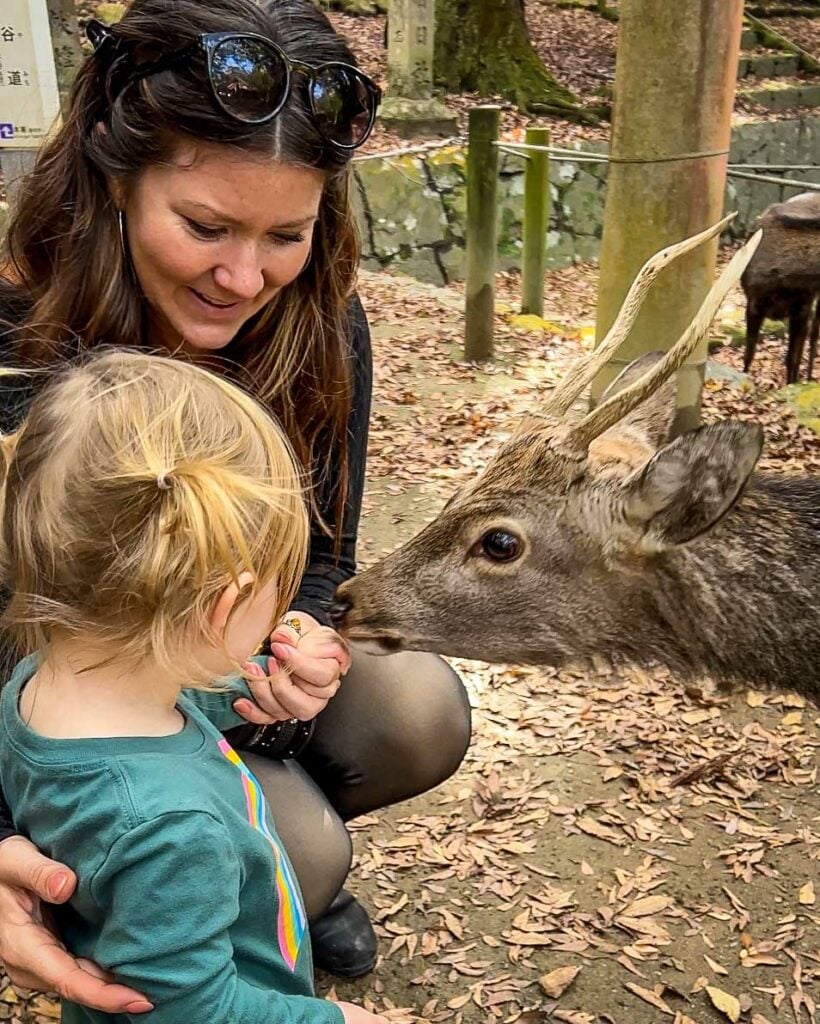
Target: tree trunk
[(674, 92), (483, 46)]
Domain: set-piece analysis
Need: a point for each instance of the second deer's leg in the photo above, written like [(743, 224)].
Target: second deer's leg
[(754, 321), (815, 330), (799, 313)]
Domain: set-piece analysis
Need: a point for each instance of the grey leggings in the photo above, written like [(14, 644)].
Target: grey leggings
[(398, 726)]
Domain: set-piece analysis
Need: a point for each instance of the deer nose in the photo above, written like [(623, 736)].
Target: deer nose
[(339, 608)]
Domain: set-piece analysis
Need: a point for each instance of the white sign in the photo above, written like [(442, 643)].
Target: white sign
[(29, 99)]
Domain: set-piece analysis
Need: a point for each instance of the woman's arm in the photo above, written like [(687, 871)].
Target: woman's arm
[(325, 572)]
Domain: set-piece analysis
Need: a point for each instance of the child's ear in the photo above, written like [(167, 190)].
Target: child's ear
[(226, 602)]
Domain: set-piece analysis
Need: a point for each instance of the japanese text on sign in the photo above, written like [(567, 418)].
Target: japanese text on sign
[(29, 100)]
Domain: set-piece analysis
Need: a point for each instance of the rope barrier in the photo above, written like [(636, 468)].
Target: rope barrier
[(743, 171)]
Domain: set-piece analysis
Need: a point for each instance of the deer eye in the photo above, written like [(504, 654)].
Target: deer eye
[(499, 546)]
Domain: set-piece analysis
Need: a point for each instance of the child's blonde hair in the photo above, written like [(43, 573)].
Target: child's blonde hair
[(136, 490)]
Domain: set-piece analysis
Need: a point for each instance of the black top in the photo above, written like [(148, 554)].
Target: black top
[(324, 571)]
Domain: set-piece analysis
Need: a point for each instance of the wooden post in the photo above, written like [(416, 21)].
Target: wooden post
[(537, 203), (409, 109), (674, 94), (482, 232)]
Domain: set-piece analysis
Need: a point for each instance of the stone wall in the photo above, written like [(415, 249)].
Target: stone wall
[(412, 207)]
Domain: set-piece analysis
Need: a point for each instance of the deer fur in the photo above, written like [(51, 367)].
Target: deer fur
[(627, 546), (782, 280)]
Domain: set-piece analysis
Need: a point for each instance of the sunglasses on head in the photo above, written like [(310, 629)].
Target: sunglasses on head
[(251, 79)]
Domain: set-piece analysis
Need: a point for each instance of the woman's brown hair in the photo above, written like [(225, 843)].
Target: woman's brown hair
[(64, 249)]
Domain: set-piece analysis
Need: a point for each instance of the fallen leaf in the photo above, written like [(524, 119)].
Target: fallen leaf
[(46, 1007), (451, 923), (558, 981), (647, 905), (760, 960), (595, 828), (755, 699), (716, 967), (696, 717), (530, 322), (459, 1001), (725, 1002), (807, 896), (650, 997)]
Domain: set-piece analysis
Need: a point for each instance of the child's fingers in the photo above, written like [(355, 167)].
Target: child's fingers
[(254, 714)]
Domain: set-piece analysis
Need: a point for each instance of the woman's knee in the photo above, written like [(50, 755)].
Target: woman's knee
[(431, 728), (399, 726)]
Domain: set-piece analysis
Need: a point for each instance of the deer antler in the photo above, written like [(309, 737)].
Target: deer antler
[(584, 372), (623, 402)]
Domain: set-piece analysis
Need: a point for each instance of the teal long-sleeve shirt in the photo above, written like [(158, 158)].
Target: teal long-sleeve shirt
[(185, 891)]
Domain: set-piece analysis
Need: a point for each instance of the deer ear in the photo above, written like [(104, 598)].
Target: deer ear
[(688, 486), (652, 419)]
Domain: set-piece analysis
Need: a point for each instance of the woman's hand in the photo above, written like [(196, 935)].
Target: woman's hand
[(306, 670), (33, 955)]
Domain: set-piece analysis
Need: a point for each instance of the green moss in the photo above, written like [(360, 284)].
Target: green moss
[(804, 399)]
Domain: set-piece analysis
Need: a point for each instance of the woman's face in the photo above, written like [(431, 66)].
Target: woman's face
[(213, 235)]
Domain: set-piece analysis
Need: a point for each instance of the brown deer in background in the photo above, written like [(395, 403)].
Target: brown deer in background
[(599, 537), (782, 280)]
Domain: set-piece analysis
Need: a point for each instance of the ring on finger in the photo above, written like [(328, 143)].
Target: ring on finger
[(295, 625)]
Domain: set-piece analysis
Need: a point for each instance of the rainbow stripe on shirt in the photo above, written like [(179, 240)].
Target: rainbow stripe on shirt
[(292, 920)]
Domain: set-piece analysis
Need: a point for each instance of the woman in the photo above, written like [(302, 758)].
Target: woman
[(196, 200)]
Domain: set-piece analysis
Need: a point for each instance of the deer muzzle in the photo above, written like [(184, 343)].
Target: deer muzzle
[(351, 618)]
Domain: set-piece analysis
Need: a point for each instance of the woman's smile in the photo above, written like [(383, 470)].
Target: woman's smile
[(214, 308)]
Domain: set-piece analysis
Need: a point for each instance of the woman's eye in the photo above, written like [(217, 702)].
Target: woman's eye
[(203, 231), (287, 239)]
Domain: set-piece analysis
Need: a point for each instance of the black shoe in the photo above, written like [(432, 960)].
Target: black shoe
[(343, 939)]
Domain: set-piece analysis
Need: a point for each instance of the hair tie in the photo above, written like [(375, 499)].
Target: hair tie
[(163, 482)]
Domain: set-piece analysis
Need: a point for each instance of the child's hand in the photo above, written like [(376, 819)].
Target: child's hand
[(358, 1015), (305, 673)]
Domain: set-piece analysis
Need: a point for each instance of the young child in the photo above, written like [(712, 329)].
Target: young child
[(153, 530)]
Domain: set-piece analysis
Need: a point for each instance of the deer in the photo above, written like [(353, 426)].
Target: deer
[(601, 536), (782, 280)]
